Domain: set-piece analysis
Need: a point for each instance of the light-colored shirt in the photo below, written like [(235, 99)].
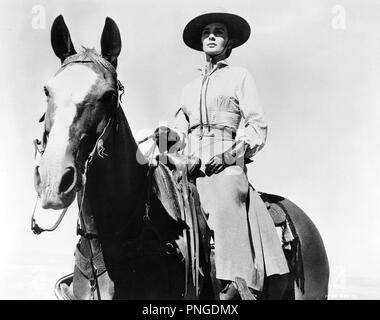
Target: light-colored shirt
[(226, 96)]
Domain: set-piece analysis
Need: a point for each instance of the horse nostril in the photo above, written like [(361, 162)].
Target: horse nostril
[(68, 180)]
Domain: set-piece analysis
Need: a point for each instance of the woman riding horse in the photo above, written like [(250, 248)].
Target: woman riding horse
[(127, 237), (211, 109)]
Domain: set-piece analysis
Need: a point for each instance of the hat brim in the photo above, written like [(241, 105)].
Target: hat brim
[(238, 29)]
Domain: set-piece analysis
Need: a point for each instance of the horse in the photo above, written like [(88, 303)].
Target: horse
[(129, 246)]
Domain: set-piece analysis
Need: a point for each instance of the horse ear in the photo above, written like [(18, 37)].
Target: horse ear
[(110, 41), (61, 40)]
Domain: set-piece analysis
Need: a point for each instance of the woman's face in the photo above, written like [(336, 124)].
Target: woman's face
[(214, 38)]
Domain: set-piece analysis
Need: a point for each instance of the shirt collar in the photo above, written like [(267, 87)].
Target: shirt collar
[(219, 65)]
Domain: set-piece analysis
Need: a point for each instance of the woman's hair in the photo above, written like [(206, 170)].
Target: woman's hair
[(230, 31), (228, 52)]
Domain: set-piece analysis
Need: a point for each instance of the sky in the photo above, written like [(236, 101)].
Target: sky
[(317, 70)]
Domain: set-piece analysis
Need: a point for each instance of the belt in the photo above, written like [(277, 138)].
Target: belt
[(211, 130)]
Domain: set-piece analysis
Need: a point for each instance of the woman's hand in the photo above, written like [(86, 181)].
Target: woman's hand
[(219, 162)]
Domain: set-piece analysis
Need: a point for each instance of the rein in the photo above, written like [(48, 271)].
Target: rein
[(34, 226), (37, 229)]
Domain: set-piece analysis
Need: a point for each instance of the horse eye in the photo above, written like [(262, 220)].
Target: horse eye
[(109, 96), (46, 91)]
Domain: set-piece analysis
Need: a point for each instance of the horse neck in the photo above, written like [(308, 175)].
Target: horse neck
[(115, 183)]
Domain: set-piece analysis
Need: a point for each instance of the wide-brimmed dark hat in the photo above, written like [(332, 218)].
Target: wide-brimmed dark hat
[(238, 28)]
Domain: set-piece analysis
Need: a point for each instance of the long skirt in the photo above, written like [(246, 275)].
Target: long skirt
[(246, 241)]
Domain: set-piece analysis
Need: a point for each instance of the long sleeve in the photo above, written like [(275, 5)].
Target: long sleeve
[(252, 137)]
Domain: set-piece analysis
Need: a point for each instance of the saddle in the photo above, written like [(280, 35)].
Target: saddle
[(179, 164), (174, 185)]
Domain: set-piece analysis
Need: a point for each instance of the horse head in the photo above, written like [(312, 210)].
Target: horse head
[(81, 98)]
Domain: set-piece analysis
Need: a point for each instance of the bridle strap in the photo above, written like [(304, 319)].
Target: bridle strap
[(99, 149), (94, 281), (37, 229)]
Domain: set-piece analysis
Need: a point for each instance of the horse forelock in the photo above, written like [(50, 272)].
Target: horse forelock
[(81, 75), (89, 55)]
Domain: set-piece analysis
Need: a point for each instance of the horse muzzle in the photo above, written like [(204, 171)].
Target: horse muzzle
[(56, 188)]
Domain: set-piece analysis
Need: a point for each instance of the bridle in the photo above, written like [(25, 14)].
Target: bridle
[(98, 150), (89, 57)]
